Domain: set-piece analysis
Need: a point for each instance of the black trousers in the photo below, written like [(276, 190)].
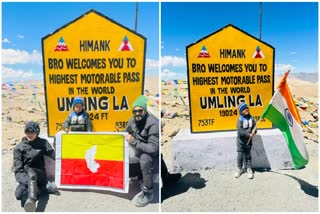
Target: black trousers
[(245, 154), (141, 165), (37, 176)]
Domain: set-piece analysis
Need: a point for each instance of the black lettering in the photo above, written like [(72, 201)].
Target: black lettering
[(63, 78), (55, 63), (103, 90), (95, 45), (232, 53)]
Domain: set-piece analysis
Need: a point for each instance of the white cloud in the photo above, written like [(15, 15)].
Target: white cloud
[(152, 64), (5, 40), (283, 67), (173, 60), (292, 53), (9, 74), (167, 74), (177, 49), (12, 56), (20, 36)]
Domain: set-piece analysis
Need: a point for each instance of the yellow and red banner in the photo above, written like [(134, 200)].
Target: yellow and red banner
[(92, 161)]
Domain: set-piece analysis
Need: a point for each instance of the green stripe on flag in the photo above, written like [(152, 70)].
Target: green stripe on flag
[(281, 123)]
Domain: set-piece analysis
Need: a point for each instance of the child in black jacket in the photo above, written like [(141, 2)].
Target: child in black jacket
[(29, 166), (245, 125)]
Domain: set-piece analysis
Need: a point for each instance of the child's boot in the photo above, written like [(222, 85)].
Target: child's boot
[(238, 173), (250, 173), (30, 205)]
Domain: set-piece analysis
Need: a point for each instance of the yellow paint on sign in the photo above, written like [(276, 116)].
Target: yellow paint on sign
[(225, 68)]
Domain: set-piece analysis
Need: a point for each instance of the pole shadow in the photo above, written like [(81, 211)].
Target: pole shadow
[(306, 187), (190, 180)]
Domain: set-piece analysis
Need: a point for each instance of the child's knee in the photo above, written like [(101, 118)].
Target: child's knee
[(21, 192)]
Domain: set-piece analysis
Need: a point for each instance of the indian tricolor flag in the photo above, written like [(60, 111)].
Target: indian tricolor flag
[(282, 112), (92, 161)]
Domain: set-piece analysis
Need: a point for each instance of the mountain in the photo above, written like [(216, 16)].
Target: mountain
[(309, 77)]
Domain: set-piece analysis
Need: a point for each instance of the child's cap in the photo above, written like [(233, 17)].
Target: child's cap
[(32, 127), (76, 101), (242, 106)]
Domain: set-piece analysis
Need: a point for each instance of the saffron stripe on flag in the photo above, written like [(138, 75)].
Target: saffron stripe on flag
[(284, 90), (76, 172)]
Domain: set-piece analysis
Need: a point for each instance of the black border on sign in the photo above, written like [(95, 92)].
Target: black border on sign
[(229, 25), (71, 22)]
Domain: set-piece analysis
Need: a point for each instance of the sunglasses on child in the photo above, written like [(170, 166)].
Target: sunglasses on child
[(140, 111)]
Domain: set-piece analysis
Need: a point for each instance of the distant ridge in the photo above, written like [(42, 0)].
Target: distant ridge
[(309, 77)]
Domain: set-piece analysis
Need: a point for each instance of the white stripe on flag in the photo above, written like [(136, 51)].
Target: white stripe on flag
[(280, 104)]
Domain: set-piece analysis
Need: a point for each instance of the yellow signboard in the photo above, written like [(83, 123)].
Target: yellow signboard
[(99, 60), (226, 68)]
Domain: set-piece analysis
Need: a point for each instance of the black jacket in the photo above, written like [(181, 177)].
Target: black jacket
[(30, 154), (146, 136), (245, 125), (78, 122)]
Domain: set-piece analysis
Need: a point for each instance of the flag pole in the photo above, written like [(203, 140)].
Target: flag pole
[(136, 19), (254, 130), (281, 82), (260, 21)]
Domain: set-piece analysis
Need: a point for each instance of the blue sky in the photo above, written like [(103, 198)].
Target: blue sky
[(25, 23), (291, 28)]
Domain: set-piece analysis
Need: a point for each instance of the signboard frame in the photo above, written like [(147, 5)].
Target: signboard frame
[(142, 71), (189, 70)]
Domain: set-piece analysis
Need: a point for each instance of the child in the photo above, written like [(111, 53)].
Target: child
[(78, 119), (29, 167), (245, 126)]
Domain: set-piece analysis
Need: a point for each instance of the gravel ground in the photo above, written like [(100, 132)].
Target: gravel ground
[(73, 201), (219, 191)]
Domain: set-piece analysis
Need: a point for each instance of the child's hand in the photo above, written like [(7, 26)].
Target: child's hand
[(252, 134)]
